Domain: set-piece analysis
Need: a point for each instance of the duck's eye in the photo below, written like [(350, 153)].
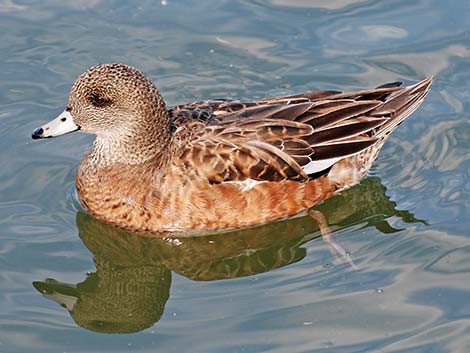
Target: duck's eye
[(99, 101)]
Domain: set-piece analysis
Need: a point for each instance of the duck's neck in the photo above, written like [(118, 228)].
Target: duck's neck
[(132, 146)]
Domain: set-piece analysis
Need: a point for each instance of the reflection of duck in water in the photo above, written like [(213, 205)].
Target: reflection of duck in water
[(114, 299), (131, 285)]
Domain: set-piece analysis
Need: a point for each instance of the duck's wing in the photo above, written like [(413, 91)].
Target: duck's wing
[(297, 137)]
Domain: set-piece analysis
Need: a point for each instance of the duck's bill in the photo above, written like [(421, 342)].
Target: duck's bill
[(59, 126), (62, 293)]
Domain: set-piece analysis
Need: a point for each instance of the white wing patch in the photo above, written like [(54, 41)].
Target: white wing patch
[(318, 166), (247, 184)]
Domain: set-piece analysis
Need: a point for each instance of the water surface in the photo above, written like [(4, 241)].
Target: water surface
[(67, 279)]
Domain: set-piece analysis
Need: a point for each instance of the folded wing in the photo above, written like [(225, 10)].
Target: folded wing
[(295, 137)]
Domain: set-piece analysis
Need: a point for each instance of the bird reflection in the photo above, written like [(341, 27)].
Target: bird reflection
[(131, 285)]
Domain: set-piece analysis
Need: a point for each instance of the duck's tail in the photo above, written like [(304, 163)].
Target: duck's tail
[(396, 106), (399, 105)]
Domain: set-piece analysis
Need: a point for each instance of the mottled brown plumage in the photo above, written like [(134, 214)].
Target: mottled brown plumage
[(223, 164)]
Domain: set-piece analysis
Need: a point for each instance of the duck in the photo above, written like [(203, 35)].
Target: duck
[(220, 164)]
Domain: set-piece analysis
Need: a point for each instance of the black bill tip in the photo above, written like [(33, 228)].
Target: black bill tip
[(38, 133)]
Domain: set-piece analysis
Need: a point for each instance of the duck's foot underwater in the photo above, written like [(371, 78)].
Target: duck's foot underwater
[(339, 253)]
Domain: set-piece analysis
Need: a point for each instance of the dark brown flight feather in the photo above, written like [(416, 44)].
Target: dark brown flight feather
[(275, 138)]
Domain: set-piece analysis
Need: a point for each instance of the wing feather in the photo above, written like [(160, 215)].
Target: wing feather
[(290, 137)]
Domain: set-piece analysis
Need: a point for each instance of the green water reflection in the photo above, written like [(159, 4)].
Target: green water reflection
[(131, 285)]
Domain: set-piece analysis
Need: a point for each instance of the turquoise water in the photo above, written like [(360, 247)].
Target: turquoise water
[(67, 281)]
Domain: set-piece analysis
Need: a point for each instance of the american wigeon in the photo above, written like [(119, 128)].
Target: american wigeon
[(220, 164)]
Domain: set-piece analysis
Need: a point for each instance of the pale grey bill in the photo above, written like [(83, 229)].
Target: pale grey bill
[(61, 125)]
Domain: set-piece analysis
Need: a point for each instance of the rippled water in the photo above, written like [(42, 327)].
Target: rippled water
[(65, 278)]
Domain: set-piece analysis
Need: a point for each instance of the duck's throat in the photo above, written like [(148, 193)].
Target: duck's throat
[(128, 149)]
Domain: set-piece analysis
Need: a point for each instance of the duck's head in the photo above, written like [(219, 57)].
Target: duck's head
[(107, 100)]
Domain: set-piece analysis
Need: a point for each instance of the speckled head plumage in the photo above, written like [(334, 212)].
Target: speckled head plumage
[(111, 98)]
